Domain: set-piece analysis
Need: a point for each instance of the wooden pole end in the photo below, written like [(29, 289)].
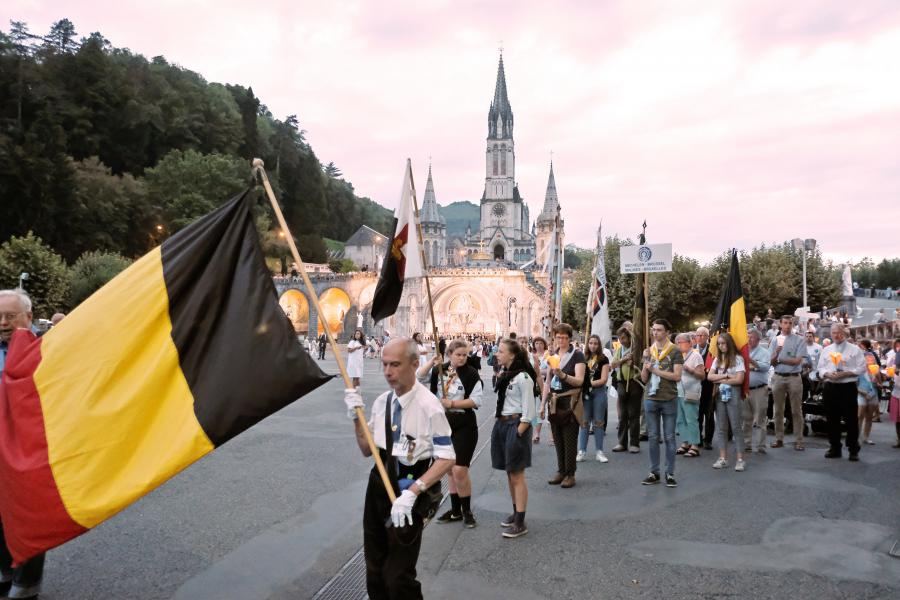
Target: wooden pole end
[(258, 163)]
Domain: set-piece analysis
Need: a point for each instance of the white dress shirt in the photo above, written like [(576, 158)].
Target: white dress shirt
[(422, 432), (852, 360), (520, 399)]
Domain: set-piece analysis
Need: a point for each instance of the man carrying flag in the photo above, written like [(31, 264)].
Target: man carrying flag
[(410, 429), (175, 356), (403, 260)]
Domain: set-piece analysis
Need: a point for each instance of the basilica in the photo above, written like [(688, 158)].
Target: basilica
[(494, 279), (505, 233)]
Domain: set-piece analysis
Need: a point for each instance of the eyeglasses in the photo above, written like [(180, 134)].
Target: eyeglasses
[(10, 317)]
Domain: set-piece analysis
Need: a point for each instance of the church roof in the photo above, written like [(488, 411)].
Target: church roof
[(551, 199), (430, 212), (366, 236)]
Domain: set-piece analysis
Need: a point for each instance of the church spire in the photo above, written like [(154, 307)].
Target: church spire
[(551, 200), (430, 213), (500, 116)]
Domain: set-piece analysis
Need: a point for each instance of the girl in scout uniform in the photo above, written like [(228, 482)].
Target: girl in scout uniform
[(459, 388)]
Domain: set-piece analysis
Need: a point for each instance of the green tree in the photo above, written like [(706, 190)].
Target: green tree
[(187, 185), (113, 211), (674, 295), (92, 271), (342, 265), (62, 37), (48, 275)]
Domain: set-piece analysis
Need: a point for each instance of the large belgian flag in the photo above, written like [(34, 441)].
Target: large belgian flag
[(731, 316), (174, 357)]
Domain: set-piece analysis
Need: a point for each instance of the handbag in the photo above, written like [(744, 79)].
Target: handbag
[(571, 408), (427, 502)]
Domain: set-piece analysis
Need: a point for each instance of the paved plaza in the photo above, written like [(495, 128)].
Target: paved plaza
[(276, 514)]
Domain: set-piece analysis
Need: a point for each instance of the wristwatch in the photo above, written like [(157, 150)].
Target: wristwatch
[(421, 485)]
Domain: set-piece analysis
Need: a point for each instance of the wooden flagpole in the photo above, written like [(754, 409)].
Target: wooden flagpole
[(593, 292), (259, 167), (434, 329)]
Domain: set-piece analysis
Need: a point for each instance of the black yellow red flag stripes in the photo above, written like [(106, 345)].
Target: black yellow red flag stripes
[(731, 316), (403, 260), (175, 356)]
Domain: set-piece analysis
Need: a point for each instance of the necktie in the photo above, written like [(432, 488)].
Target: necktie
[(395, 420)]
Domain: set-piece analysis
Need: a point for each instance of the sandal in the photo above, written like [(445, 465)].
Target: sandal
[(692, 453), (682, 449), (537, 439)]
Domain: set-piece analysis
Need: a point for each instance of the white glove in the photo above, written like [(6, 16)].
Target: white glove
[(353, 400), (401, 510)]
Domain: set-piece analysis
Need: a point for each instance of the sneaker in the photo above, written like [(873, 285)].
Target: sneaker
[(469, 520), (720, 464), (761, 450), (634, 449), (619, 448), (833, 453), (651, 479), (854, 456), (515, 530), (643, 437), (869, 442), (670, 481), (580, 456), (739, 466), (449, 517), (508, 521), (602, 457)]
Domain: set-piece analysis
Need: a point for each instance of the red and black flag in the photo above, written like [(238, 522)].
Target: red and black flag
[(178, 354), (731, 316), (403, 260)]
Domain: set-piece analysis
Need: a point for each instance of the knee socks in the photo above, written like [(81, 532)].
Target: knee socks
[(454, 503), (466, 503)]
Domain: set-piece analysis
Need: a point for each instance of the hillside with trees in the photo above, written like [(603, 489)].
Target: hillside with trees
[(102, 149)]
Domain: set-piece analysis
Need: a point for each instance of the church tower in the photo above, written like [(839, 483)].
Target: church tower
[(504, 222), (547, 219), (434, 227)]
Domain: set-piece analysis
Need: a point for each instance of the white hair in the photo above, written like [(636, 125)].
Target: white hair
[(702, 330), (24, 299)]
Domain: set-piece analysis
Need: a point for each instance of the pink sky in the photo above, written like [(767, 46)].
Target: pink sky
[(723, 123)]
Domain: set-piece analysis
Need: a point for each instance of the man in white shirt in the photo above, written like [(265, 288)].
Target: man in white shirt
[(840, 366), (813, 351), (421, 454)]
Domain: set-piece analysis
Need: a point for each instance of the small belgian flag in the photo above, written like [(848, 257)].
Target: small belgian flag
[(731, 316), (175, 356)]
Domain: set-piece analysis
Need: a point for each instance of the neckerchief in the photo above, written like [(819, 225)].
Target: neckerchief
[(667, 350)]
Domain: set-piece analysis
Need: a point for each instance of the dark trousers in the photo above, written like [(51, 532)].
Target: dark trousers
[(391, 555), (629, 413), (566, 439), (27, 575), (706, 417), (840, 403), (321, 351)]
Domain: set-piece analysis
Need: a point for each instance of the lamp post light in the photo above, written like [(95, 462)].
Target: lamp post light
[(804, 246), (22, 278)]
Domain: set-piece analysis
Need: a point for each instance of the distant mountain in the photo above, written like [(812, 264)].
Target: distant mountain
[(459, 215)]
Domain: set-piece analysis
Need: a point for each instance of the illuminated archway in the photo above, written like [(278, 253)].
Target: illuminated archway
[(296, 307), (335, 304)]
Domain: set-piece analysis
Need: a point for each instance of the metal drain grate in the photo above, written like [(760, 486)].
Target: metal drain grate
[(349, 583)]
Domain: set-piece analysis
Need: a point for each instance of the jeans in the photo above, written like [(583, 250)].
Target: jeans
[(729, 414), (667, 410), (594, 410), (687, 423)]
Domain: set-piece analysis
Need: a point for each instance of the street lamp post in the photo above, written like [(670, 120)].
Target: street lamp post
[(804, 246), (22, 278)]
